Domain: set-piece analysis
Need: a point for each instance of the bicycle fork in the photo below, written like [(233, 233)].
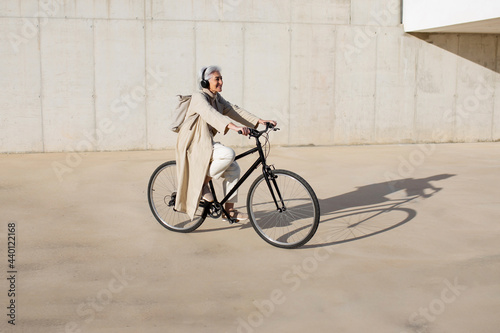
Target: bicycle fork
[(271, 182)]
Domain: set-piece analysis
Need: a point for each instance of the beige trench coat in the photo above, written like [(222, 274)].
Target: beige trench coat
[(207, 114)]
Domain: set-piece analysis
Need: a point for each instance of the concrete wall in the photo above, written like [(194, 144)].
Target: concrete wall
[(103, 74)]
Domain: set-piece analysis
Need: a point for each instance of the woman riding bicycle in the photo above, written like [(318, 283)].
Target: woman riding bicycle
[(199, 158)]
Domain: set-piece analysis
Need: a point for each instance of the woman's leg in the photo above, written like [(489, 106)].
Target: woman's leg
[(223, 165), (206, 193), (231, 177), (222, 157)]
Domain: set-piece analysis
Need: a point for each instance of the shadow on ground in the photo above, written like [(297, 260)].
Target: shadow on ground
[(367, 211), (370, 210)]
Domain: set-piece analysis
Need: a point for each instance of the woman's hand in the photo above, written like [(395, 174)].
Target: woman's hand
[(244, 130), (263, 122)]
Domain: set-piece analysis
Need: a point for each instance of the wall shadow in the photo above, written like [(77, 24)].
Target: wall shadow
[(369, 210), (478, 48)]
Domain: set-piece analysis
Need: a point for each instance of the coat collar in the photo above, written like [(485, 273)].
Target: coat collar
[(209, 93)]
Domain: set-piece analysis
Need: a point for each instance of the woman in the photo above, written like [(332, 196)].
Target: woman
[(198, 157)]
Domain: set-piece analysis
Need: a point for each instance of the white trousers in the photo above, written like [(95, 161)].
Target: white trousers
[(223, 165)]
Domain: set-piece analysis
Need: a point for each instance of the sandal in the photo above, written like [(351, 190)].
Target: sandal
[(239, 216)]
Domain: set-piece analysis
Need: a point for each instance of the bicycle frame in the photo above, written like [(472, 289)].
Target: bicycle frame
[(267, 176)]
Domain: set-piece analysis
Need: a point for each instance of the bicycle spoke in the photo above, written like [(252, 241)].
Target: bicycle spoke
[(161, 188), (297, 223)]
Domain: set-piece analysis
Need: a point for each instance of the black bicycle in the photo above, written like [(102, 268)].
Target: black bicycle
[(282, 206)]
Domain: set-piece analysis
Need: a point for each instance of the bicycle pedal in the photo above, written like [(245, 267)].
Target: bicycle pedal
[(231, 220)]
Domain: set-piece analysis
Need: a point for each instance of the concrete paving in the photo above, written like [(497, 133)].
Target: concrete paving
[(408, 242)]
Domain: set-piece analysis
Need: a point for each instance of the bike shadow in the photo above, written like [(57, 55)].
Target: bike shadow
[(372, 209)]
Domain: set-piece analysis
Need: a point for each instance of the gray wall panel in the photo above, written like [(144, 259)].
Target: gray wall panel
[(120, 75), (68, 85), (330, 71), (20, 105)]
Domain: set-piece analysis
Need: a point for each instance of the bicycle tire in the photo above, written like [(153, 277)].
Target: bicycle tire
[(292, 227), (162, 188)]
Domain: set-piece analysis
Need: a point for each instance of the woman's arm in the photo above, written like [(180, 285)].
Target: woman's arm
[(238, 114), (200, 105), (263, 122), (245, 131), (241, 116)]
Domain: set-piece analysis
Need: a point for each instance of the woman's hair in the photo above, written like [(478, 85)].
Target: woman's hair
[(208, 72)]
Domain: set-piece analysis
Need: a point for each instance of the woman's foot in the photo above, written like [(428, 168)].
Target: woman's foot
[(239, 216), (206, 194)]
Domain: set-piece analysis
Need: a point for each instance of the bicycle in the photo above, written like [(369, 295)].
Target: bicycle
[(282, 207)]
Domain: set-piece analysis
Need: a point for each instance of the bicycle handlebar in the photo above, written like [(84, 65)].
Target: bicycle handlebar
[(254, 133)]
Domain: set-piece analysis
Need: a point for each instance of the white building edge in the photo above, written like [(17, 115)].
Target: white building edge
[(452, 16)]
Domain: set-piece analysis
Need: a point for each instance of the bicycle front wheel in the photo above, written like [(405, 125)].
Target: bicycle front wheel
[(162, 190), (288, 222)]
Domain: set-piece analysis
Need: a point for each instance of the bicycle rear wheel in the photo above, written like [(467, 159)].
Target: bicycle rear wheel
[(162, 190), (294, 225)]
